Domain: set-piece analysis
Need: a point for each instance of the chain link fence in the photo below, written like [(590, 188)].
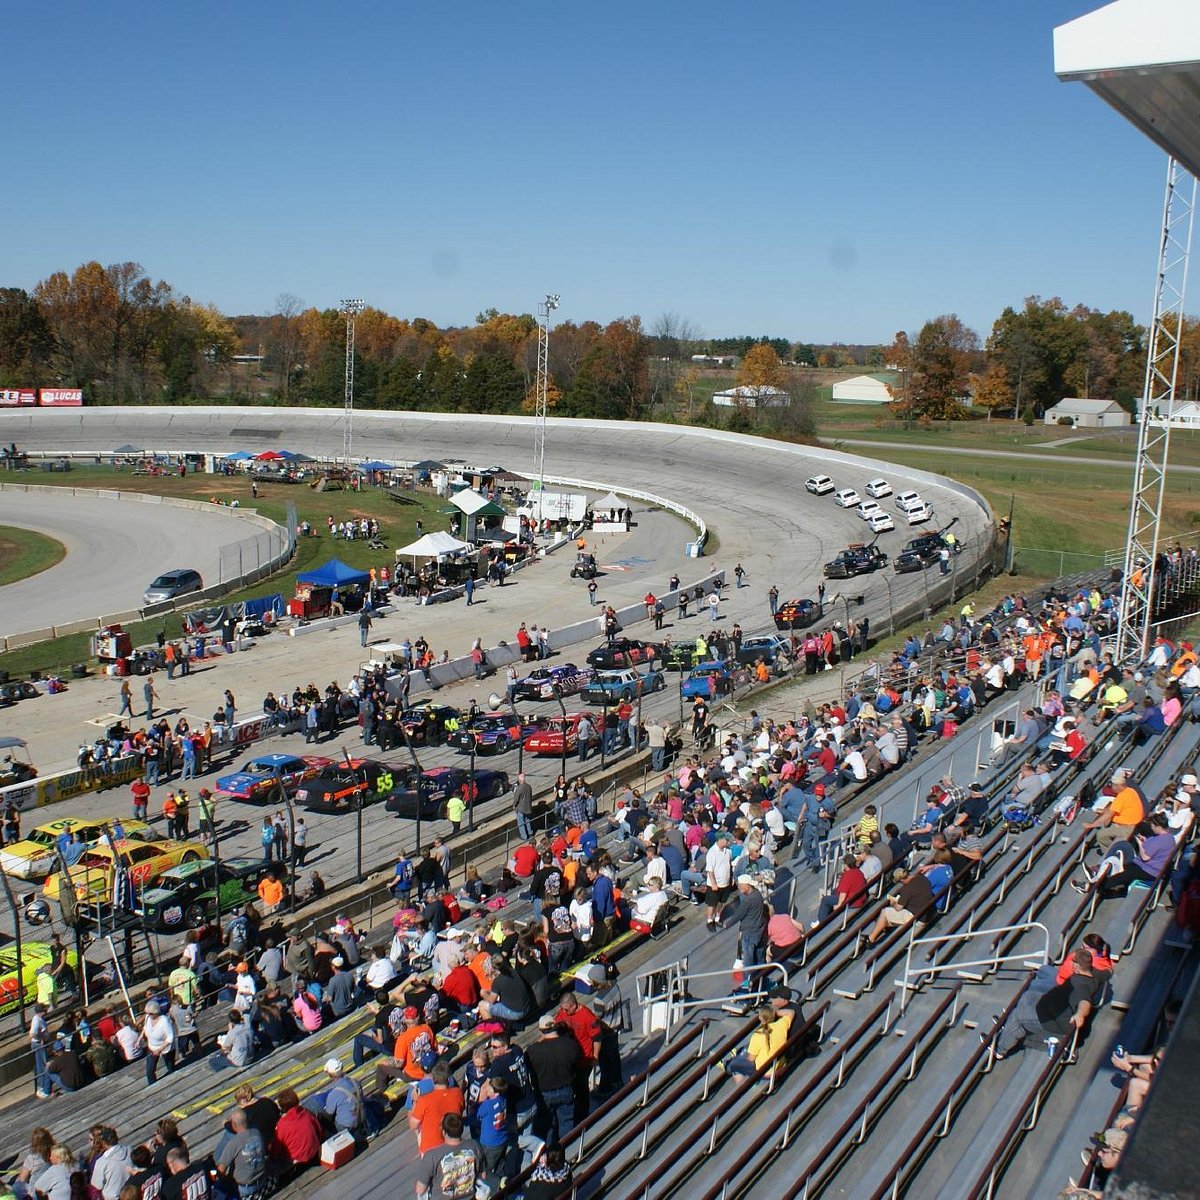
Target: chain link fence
[(254, 557), (1055, 564)]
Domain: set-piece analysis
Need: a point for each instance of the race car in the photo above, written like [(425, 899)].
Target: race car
[(255, 782), (195, 893), (493, 733), (856, 560), (544, 682), (92, 876), (21, 975), (34, 857), (682, 657), (624, 652), (797, 614), (429, 724), (707, 679), (611, 687), (438, 784), (770, 647), (343, 787), (549, 740)]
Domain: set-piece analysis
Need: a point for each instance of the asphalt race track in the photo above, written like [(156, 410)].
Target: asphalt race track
[(114, 549), (750, 491)]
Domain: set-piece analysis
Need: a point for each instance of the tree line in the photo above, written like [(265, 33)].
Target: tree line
[(126, 338)]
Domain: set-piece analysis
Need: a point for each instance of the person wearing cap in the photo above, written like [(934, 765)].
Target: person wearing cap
[(1110, 1145), (560, 1073), (340, 989), (341, 1102), (159, 1034), (244, 987), (1119, 817), (414, 1040)]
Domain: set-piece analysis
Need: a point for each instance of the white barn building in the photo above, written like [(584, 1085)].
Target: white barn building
[(1088, 414)]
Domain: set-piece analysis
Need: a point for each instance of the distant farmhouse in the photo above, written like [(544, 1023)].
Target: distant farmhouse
[(1088, 414)]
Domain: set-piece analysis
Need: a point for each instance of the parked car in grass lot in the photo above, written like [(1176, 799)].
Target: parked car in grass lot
[(35, 856), (337, 787), (543, 683), (195, 893), (847, 498), (549, 740), (92, 877), (434, 787), (624, 684), (20, 975), (624, 652), (797, 614), (493, 733), (856, 560), (878, 488), (708, 679), (256, 780), (820, 485)]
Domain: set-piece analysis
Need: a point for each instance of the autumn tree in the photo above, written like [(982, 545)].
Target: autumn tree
[(26, 343), (941, 360)]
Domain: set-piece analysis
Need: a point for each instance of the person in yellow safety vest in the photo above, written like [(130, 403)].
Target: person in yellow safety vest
[(451, 725), (701, 648)]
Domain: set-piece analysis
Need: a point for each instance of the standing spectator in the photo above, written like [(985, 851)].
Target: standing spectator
[(159, 1035), (718, 880), (751, 912), (40, 1041), (457, 1163), (557, 1065), (149, 695), (425, 1117), (523, 807), (364, 625)]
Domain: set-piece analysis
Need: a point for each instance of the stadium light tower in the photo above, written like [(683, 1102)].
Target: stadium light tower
[(350, 310), (546, 307)]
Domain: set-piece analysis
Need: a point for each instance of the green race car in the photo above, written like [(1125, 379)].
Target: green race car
[(194, 893)]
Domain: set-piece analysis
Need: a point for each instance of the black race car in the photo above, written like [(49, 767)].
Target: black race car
[(919, 553), (341, 787), (193, 893), (797, 614), (436, 786), (856, 560), (624, 652), (427, 723)]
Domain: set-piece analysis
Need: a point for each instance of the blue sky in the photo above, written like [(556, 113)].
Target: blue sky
[(804, 169)]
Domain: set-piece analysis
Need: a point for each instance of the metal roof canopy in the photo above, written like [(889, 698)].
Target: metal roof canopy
[(1143, 58)]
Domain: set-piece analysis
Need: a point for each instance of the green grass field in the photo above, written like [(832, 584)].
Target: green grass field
[(24, 552), (397, 524)]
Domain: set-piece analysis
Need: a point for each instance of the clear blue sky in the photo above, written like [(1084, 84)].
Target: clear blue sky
[(811, 170)]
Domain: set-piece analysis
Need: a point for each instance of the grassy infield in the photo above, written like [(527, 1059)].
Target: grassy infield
[(1080, 510)]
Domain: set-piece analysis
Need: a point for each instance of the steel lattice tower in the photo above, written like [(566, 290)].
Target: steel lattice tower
[(542, 386), (350, 310)]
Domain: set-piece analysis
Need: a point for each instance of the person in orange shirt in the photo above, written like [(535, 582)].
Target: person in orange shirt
[(270, 892), (413, 1043), (425, 1119), (1116, 820), (481, 967)]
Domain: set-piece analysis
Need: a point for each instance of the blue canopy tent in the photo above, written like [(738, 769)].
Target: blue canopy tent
[(238, 456), (375, 465), (335, 573)]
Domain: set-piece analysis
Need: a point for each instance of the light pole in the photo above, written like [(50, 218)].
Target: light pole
[(358, 807), (563, 709), (496, 700), (350, 310), (471, 785), (542, 386)]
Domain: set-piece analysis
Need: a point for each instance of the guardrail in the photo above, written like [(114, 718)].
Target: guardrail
[(249, 559)]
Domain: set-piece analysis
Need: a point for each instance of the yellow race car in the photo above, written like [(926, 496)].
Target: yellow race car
[(34, 857), (14, 975), (92, 876)]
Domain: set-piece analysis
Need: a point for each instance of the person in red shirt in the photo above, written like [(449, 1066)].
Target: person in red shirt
[(298, 1133), (850, 891), (525, 860), (460, 989), (584, 1025)]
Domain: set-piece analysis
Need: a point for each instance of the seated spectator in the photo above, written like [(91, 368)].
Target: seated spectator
[(785, 937), (1141, 1069), (849, 892), (1143, 859), (765, 1043), (647, 906), (298, 1133), (341, 1103), (1057, 1013), (1122, 811), (241, 1163), (235, 1047), (913, 899)]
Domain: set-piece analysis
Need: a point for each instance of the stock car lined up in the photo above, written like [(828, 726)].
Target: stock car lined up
[(196, 893), (339, 786), (770, 647), (427, 725), (610, 687), (857, 559), (435, 786), (707, 679), (624, 652), (35, 856), (92, 878), (797, 614), (494, 732), (549, 739), (256, 781), (19, 974), (545, 682)]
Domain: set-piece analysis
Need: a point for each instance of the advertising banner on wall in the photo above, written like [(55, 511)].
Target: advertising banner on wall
[(60, 397), (12, 397)]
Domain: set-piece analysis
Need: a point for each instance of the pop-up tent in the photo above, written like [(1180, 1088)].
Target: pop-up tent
[(335, 573), (434, 545)]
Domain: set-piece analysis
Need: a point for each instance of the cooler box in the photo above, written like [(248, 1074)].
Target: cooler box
[(337, 1150)]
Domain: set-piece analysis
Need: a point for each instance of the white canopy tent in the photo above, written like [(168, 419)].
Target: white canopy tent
[(434, 545)]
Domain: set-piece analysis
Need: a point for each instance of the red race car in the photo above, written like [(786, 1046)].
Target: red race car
[(550, 739)]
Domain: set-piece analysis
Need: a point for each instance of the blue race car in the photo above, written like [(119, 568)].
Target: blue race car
[(255, 782), (541, 683), (626, 684), (708, 679), (494, 732)]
